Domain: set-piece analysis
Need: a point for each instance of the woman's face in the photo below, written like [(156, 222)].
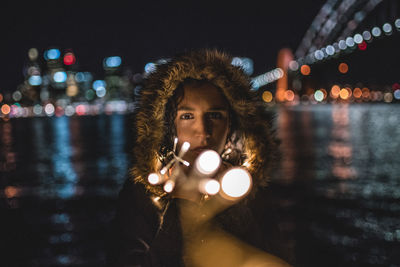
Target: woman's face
[(202, 119)]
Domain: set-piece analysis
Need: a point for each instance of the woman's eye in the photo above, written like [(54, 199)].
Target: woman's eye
[(215, 115), (186, 116)]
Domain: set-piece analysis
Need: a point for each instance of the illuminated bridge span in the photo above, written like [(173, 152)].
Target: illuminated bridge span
[(348, 53)]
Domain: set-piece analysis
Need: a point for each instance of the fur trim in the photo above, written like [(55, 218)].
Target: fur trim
[(214, 66)]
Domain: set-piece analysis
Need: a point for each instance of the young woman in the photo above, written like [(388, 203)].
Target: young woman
[(197, 97)]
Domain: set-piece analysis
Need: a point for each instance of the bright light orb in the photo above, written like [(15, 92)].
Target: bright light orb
[(52, 54), (397, 23), (319, 95), (49, 109), (208, 162), (358, 38), (209, 186), (112, 62), (387, 28), (154, 178), (35, 80), (60, 76), (376, 32), (330, 50), (169, 186), (236, 182), (366, 36)]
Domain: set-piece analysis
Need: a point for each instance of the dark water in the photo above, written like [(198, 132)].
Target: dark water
[(335, 195)]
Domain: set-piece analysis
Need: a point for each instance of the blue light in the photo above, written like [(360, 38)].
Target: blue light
[(60, 76), (35, 80), (245, 63), (397, 94), (150, 67), (80, 77), (112, 62), (52, 54), (99, 84)]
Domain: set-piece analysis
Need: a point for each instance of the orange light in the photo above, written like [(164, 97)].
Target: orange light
[(305, 70), (335, 91), (344, 94), (357, 92), (5, 109), (267, 96), (1, 97), (343, 68), (289, 95), (324, 92), (11, 191), (365, 92)]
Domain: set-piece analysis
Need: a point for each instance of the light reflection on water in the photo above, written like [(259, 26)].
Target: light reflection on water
[(337, 186)]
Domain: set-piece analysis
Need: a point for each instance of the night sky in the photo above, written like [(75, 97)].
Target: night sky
[(143, 31)]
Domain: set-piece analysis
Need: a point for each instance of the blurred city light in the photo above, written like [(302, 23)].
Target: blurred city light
[(33, 54), (52, 54), (319, 96), (49, 109), (387, 28), (343, 68), (112, 62), (267, 96), (60, 76), (150, 67), (366, 35), (376, 32), (358, 38), (35, 80), (99, 84), (69, 58), (305, 70)]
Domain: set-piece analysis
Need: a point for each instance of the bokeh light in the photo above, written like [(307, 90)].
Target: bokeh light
[(52, 54), (35, 80), (209, 186), (357, 93), (305, 70), (396, 94), (236, 182), (319, 96), (69, 58), (60, 76), (267, 96), (112, 62), (289, 95), (387, 28), (367, 36), (169, 186), (150, 67), (208, 162), (33, 54), (335, 91), (154, 178), (343, 68), (49, 109), (344, 94), (376, 32), (5, 109), (362, 46)]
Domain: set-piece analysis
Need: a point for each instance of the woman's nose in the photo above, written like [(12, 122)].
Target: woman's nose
[(203, 128)]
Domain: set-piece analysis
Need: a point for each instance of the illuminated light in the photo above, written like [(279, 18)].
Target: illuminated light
[(267, 96), (343, 68), (397, 23), (80, 110), (17, 96), (209, 186), (69, 58), (150, 67), (342, 45), (396, 94), (289, 95), (80, 77), (293, 65), (362, 46), (305, 70), (169, 186), (376, 32), (208, 162), (335, 91), (11, 191), (52, 54), (49, 109), (98, 84), (184, 148), (365, 93), (1, 97), (33, 54), (387, 28), (388, 97), (344, 94), (246, 64), (236, 182), (357, 93), (35, 80), (358, 38), (101, 91), (59, 111), (366, 35), (37, 109), (154, 178), (69, 110), (319, 55), (330, 50), (60, 76), (5, 109), (112, 62), (319, 96), (324, 92), (72, 90), (350, 41)]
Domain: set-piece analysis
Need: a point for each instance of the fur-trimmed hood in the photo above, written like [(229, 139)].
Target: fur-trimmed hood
[(257, 146)]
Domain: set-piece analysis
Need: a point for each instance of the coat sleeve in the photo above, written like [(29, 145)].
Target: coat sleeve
[(133, 229)]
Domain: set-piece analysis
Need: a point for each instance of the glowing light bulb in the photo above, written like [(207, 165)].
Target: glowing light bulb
[(184, 148), (209, 186), (169, 186), (236, 182), (208, 162), (154, 178)]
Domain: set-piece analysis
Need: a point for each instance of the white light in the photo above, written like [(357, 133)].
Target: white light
[(98, 84), (35, 80), (319, 95), (69, 110), (358, 38), (367, 35), (376, 32), (209, 186), (293, 65), (208, 162), (330, 50), (397, 94), (349, 41), (342, 45), (236, 182), (185, 147), (37, 109), (101, 91), (60, 76), (49, 109), (154, 178), (397, 23), (319, 55), (387, 28), (169, 186)]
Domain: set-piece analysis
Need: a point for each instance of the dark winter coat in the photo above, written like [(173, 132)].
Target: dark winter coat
[(147, 232)]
